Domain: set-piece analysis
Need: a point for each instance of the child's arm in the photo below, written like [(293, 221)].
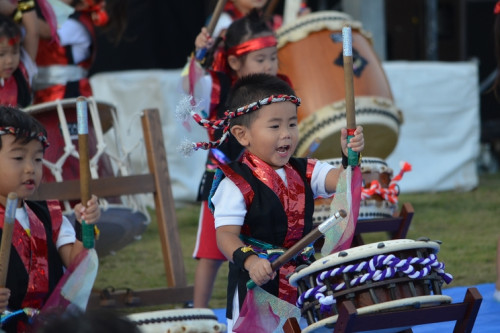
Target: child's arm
[(4, 299), (232, 247), (357, 144), (90, 215), (30, 43)]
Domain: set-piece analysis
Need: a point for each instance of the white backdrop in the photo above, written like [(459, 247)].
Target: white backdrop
[(441, 129), (133, 91), (439, 136)]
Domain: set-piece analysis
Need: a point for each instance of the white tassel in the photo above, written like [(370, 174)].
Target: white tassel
[(185, 109), (186, 148)]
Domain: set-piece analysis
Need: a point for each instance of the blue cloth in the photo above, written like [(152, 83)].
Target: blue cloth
[(487, 321)]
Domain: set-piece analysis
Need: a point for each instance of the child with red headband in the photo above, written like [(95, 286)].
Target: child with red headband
[(15, 75), (249, 47), (63, 62), (266, 199), (43, 240)]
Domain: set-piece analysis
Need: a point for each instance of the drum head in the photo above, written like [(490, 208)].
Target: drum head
[(105, 110), (178, 320)]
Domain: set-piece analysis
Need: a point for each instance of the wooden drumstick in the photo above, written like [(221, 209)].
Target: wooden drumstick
[(350, 110), (219, 7), (311, 237), (83, 150), (8, 228)]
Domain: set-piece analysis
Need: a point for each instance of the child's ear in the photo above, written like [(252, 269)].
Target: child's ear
[(234, 62), (240, 133)]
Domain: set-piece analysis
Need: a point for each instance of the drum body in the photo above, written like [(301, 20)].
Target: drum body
[(178, 320), (372, 205), (50, 114), (310, 54), (376, 277)]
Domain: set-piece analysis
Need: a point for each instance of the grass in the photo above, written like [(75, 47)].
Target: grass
[(465, 222)]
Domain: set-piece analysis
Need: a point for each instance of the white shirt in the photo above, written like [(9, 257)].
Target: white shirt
[(232, 208), (74, 33)]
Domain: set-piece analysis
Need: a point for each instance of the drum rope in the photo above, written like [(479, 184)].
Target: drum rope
[(121, 160), (375, 271)]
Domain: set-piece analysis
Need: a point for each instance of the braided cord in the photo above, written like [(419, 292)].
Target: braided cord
[(378, 268)]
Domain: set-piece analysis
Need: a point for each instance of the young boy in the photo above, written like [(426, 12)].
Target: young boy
[(266, 198), (43, 240)]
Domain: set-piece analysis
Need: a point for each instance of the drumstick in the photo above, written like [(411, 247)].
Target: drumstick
[(350, 110), (200, 54), (83, 150), (8, 228), (312, 236)]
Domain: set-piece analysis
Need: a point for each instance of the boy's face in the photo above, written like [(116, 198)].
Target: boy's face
[(273, 134), (20, 167), (260, 61), (9, 57)]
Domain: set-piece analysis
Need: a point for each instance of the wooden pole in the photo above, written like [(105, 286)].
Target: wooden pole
[(219, 7), (83, 150), (350, 109), (8, 228)]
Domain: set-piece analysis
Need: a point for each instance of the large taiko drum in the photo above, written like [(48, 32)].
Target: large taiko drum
[(60, 120), (123, 220), (177, 321), (310, 54), (376, 277), (373, 204)]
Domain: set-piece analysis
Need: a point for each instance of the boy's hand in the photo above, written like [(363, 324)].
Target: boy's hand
[(357, 143), (89, 214), (4, 299), (260, 270)]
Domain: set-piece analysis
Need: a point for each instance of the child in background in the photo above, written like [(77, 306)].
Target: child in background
[(43, 240), (63, 65), (14, 77), (250, 47), (267, 196), (23, 13)]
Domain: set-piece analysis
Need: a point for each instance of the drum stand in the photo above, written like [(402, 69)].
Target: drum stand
[(464, 314), (396, 226), (157, 182)]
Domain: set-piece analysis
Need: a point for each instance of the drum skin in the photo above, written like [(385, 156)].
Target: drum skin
[(310, 54)]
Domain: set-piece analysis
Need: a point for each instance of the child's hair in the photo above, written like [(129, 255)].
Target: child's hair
[(253, 88), (22, 125), (9, 29), (249, 26)]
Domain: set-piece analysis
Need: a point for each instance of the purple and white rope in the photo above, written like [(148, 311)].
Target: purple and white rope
[(374, 272)]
